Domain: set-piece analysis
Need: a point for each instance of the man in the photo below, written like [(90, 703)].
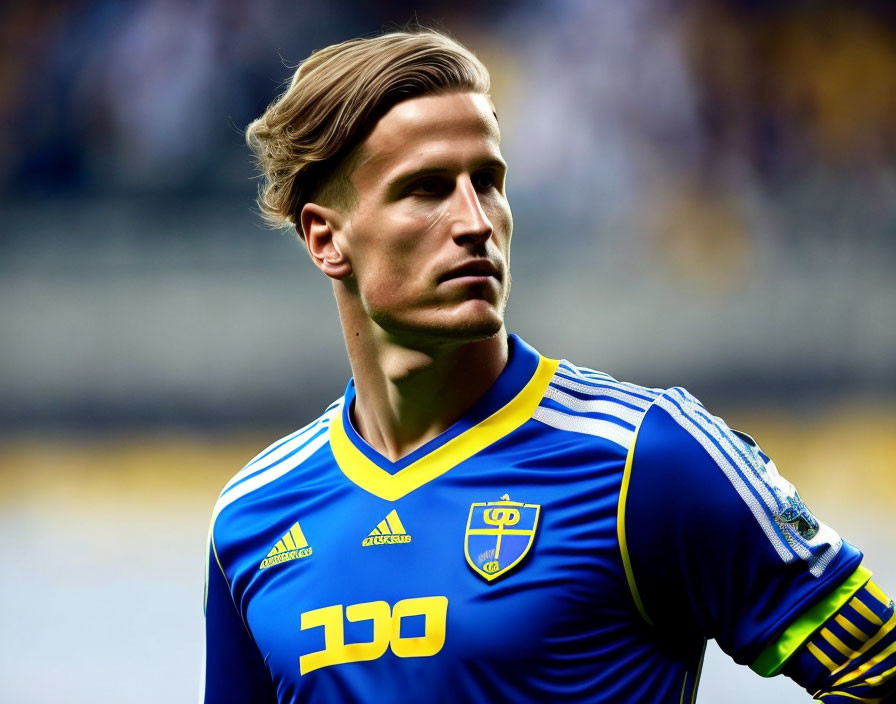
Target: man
[(471, 521)]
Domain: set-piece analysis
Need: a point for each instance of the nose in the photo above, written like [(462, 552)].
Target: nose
[(471, 224)]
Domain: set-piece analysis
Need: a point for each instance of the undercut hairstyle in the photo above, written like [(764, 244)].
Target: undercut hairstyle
[(307, 141)]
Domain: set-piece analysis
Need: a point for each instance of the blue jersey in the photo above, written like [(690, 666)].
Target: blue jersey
[(572, 538)]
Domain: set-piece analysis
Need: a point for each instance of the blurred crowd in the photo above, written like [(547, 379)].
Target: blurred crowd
[(720, 171), (151, 95)]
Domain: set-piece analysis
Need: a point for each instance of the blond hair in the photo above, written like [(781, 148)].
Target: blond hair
[(306, 141)]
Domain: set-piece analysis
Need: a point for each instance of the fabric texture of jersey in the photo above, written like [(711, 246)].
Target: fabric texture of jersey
[(572, 538)]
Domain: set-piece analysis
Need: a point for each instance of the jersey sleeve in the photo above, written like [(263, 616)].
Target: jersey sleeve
[(714, 540), (234, 671)]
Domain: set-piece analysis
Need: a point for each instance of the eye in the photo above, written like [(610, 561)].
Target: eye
[(484, 180), (429, 186)]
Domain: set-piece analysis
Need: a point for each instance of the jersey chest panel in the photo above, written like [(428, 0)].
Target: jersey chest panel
[(386, 583)]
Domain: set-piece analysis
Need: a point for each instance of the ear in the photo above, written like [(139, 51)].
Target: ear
[(319, 227)]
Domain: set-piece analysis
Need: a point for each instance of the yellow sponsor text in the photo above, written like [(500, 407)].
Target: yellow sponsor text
[(284, 557), (389, 531), (385, 540), (386, 631)]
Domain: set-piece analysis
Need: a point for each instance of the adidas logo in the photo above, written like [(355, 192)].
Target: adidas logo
[(290, 547), (388, 531)]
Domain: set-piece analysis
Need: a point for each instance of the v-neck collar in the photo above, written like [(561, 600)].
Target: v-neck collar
[(508, 403)]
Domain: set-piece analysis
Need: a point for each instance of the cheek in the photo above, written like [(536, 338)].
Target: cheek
[(433, 219), (398, 242), (389, 263), (391, 287), (508, 220), (502, 219)]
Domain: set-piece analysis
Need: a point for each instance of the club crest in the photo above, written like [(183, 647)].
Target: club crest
[(498, 535), (797, 515), (794, 516)]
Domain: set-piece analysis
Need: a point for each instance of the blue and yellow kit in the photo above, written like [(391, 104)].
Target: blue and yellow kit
[(572, 538)]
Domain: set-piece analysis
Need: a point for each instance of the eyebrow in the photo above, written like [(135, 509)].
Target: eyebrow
[(403, 179)]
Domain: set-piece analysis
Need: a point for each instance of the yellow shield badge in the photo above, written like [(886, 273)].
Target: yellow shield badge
[(499, 535)]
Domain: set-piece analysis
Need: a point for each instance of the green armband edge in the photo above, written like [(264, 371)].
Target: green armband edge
[(772, 659)]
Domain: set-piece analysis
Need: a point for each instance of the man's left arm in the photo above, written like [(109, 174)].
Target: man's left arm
[(719, 543)]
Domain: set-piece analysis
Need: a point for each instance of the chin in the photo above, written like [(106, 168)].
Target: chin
[(474, 330), (458, 325)]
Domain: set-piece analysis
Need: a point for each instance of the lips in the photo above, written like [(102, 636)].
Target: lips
[(476, 268)]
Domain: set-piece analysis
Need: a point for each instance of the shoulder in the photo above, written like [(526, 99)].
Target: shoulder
[(678, 423), (683, 449), (682, 463), (680, 441), (589, 402), (584, 400), (278, 460), (720, 477), (668, 435)]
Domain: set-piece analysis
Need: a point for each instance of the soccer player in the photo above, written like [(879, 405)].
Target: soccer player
[(472, 521)]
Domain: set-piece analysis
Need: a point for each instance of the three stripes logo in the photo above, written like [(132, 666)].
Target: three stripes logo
[(388, 531), (291, 546)]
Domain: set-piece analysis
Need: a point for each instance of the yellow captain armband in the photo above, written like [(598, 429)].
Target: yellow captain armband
[(851, 656), (772, 659)]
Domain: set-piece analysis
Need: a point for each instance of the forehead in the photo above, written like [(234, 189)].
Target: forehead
[(457, 127)]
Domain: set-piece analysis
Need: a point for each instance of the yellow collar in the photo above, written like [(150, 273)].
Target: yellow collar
[(391, 487)]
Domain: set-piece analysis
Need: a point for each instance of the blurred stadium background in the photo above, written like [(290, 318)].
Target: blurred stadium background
[(704, 195)]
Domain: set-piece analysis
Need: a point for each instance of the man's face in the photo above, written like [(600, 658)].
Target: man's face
[(429, 238)]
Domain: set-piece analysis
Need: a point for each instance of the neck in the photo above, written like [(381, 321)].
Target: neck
[(406, 396)]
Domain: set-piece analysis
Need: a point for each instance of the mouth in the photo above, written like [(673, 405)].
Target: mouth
[(474, 271)]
